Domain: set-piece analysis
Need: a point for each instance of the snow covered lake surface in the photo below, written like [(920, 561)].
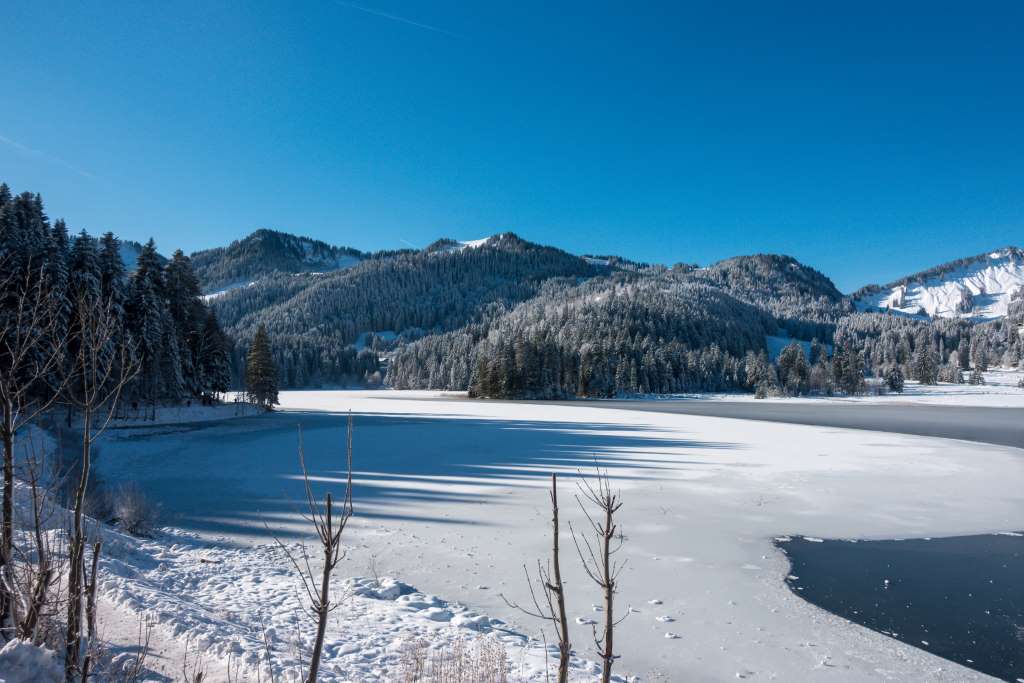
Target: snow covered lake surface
[(450, 497), (960, 597)]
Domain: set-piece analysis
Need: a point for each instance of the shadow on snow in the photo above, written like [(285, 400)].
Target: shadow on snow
[(236, 478)]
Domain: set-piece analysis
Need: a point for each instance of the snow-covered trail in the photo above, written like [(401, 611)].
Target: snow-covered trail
[(450, 497)]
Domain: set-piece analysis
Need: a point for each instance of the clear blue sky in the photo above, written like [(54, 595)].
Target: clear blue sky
[(866, 139)]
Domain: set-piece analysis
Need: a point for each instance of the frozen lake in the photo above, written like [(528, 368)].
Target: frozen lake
[(450, 496)]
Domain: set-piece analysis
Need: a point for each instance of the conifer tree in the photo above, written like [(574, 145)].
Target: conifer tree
[(155, 334), (84, 269), (894, 379), (926, 362), (261, 372), (112, 274), (188, 313), (214, 362)]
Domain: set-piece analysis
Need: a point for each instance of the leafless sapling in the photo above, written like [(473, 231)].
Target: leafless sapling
[(329, 524), (104, 362), (41, 565), (550, 606), (597, 549)]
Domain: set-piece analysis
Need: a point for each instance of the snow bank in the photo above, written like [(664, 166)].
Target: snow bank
[(23, 662), (182, 414), (244, 608)]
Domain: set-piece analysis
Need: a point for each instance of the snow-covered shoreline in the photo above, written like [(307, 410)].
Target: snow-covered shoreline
[(239, 611)]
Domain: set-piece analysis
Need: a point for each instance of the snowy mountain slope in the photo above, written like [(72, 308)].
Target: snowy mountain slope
[(976, 288)]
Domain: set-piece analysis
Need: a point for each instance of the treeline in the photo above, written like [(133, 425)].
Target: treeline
[(950, 345), (178, 343)]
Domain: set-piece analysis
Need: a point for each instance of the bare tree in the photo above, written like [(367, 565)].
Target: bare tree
[(597, 550), (41, 565), (551, 605), (31, 349), (329, 525), (104, 362)]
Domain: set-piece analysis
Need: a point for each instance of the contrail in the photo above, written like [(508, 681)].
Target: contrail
[(49, 157), (395, 17)]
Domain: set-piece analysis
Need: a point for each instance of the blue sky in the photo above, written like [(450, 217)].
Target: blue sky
[(868, 140)]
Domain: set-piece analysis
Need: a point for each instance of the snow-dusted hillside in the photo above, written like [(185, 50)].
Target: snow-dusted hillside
[(976, 288), (265, 252)]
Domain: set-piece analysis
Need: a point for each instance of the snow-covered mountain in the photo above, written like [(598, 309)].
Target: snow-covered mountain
[(976, 288), (265, 252)]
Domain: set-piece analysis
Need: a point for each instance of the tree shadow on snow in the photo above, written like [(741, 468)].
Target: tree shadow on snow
[(239, 477)]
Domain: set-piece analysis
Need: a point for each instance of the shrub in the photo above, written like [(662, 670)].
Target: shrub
[(133, 511)]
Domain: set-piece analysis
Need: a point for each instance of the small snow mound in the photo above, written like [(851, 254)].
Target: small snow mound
[(23, 662), (437, 614), (418, 601), (655, 601), (582, 621), (671, 636), (382, 589), (475, 622)]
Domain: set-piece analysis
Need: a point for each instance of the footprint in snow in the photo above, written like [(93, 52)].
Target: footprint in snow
[(584, 620), (655, 601), (672, 636), (665, 619)]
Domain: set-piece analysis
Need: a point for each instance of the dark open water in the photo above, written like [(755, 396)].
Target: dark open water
[(961, 598)]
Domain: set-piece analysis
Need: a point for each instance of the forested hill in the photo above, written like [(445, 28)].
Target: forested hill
[(315, 321), (655, 330), (804, 300), (266, 252)]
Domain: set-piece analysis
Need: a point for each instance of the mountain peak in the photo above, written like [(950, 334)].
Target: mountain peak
[(266, 251)]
